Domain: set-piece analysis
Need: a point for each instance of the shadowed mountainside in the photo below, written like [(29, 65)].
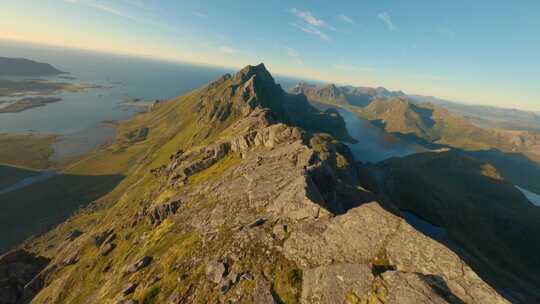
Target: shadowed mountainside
[(40, 206), (482, 212)]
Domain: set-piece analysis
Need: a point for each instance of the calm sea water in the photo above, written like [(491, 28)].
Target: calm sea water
[(79, 116)]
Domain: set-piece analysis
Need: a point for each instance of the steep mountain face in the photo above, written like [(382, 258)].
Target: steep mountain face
[(239, 193), (429, 124), (342, 95), (460, 192), (25, 67)]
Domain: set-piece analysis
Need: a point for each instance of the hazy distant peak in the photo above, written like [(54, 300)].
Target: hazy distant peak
[(26, 67)]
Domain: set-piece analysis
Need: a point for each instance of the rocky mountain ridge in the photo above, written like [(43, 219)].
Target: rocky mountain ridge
[(260, 201)]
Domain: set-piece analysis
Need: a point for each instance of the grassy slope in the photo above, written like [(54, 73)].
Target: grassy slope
[(173, 126), (102, 175), (28, 151)]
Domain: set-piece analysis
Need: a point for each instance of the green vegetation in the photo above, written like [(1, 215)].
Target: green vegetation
[(27, 151), (287, 286), (150, 296), (28, 103)]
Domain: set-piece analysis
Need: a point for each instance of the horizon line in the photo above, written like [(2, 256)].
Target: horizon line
[(225, 67)]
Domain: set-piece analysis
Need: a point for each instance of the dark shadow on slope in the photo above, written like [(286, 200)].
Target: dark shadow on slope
[(10, 175), (426, 115), (37, 208), (514, 167), (360, 100), (490, 224), (439, 286), (412, 138), (302, 114)]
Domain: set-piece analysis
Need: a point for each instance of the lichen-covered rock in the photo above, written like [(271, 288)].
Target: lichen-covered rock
[(215, 271), (332, 283), (159, 212), (365, 233), (100, 237), (129, 288), (416, 288), (73, 234), (139, 264)]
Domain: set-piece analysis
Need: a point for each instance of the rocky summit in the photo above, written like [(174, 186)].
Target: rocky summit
[(240, 193)]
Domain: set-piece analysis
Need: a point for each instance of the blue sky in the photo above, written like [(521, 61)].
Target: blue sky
[(484, 52)]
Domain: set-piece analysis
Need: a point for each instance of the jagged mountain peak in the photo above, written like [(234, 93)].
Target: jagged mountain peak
[(258, 71)]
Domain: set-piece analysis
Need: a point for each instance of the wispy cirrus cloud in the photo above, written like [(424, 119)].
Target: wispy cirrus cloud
[(200, 15), (346, 19), (107, 8), (309, 23), (139, 4), (387, 19), (293, 54), (312, 30), (227, 49), (309, 18)]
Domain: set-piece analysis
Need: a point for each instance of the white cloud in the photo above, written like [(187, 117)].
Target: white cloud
[(293, 54), (309, 18), (310, 24), (103, 7), (348, 67), (346, 19), (312, 30), (200, 15), (387, 19), (227, 49), (138, 4)]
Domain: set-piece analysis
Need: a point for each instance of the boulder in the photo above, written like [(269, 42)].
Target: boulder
[(100, 237), (216, 271), (73, 234), (158, 213), (129, 289), (106, 249), (140, 264)]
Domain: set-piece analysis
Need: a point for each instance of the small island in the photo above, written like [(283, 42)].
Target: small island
[(13, 88), (27, 103), (26, 67)]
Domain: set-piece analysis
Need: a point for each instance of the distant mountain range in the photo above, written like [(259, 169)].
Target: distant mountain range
[(481, 116), (487, 116), (25, 67), (343, 95), (434, 126)]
